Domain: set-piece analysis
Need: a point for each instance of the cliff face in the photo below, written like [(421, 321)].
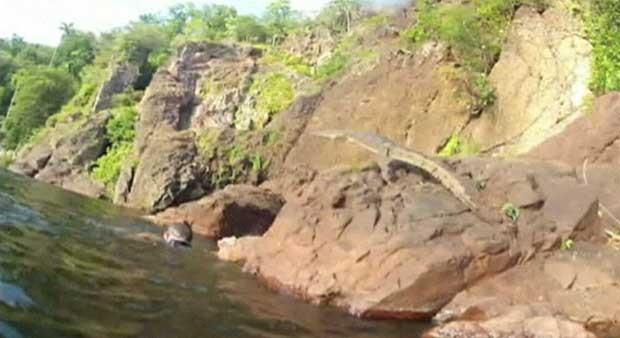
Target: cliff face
[(217, 114)]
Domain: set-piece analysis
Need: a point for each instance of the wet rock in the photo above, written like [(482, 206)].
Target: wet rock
[(170, 172), (580, 284), (593, 137), (238, 210), (405, 249), (541, 81)]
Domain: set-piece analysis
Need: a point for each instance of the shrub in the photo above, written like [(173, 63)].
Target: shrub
[(334, 65), (603, 27), (122, 127), (275, 93), (457, 146), (41, 93), (108, 167)]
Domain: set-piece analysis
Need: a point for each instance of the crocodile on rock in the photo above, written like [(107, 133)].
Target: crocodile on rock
[(389, 150)]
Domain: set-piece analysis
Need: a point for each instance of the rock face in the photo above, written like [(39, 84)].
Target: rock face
[(201, 87), (593, 137), (238, 210), (122, 77), (419, 105), (541, 82), (534, 321), (405, 249), (170, 172), (174, 99), (65, 162), (580, 283)]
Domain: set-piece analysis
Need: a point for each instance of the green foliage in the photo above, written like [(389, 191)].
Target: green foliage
[(511, 211), (75, 51), (603, 26), (339, 15), (6, 158), (567, 244), (275, 93), (207, 142), (108, 167), (121, 127), (258, 163), (457, 146), (121, 133), (41, 93), (140, 40), (483, 92), (475, 30), (336, 64)]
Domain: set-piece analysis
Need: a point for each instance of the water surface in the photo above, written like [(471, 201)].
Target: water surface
[(75, 267)]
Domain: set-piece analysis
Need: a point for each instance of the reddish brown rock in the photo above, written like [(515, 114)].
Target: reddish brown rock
[(581, 284), (238, 210), (533, 321), (405, 249), (593, 136)]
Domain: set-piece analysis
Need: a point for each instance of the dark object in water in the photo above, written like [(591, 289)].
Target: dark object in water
[(179, 234)]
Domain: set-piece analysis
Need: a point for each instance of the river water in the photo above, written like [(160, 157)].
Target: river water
[(75, 267)]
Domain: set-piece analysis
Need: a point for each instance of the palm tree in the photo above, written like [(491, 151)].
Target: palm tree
[(345, 11)]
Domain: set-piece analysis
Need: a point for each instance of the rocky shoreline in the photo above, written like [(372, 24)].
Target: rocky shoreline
[(319, 220)]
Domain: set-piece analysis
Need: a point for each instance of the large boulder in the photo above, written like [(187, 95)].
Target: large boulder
[(201, 87), (65, 156), (580, 283), (593, 137), (238, 210), (541, 81), (405, 249), (169, 173)]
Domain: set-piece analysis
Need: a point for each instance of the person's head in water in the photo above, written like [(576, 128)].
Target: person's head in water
[(179, 234)]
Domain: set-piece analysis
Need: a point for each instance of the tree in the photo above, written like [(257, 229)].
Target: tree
[(42, 92), (246, 28), (279, 17), (75, 51), (338, 15)]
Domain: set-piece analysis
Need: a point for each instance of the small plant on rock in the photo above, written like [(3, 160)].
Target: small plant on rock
[(511, 211), (567, 244)]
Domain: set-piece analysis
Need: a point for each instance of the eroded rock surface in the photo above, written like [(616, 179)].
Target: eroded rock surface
[(541, 81), (65, 162), (581, 284), (238, 210), (593, 137), (531, 321), (405, 249), (170, 172), (418, 105)]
